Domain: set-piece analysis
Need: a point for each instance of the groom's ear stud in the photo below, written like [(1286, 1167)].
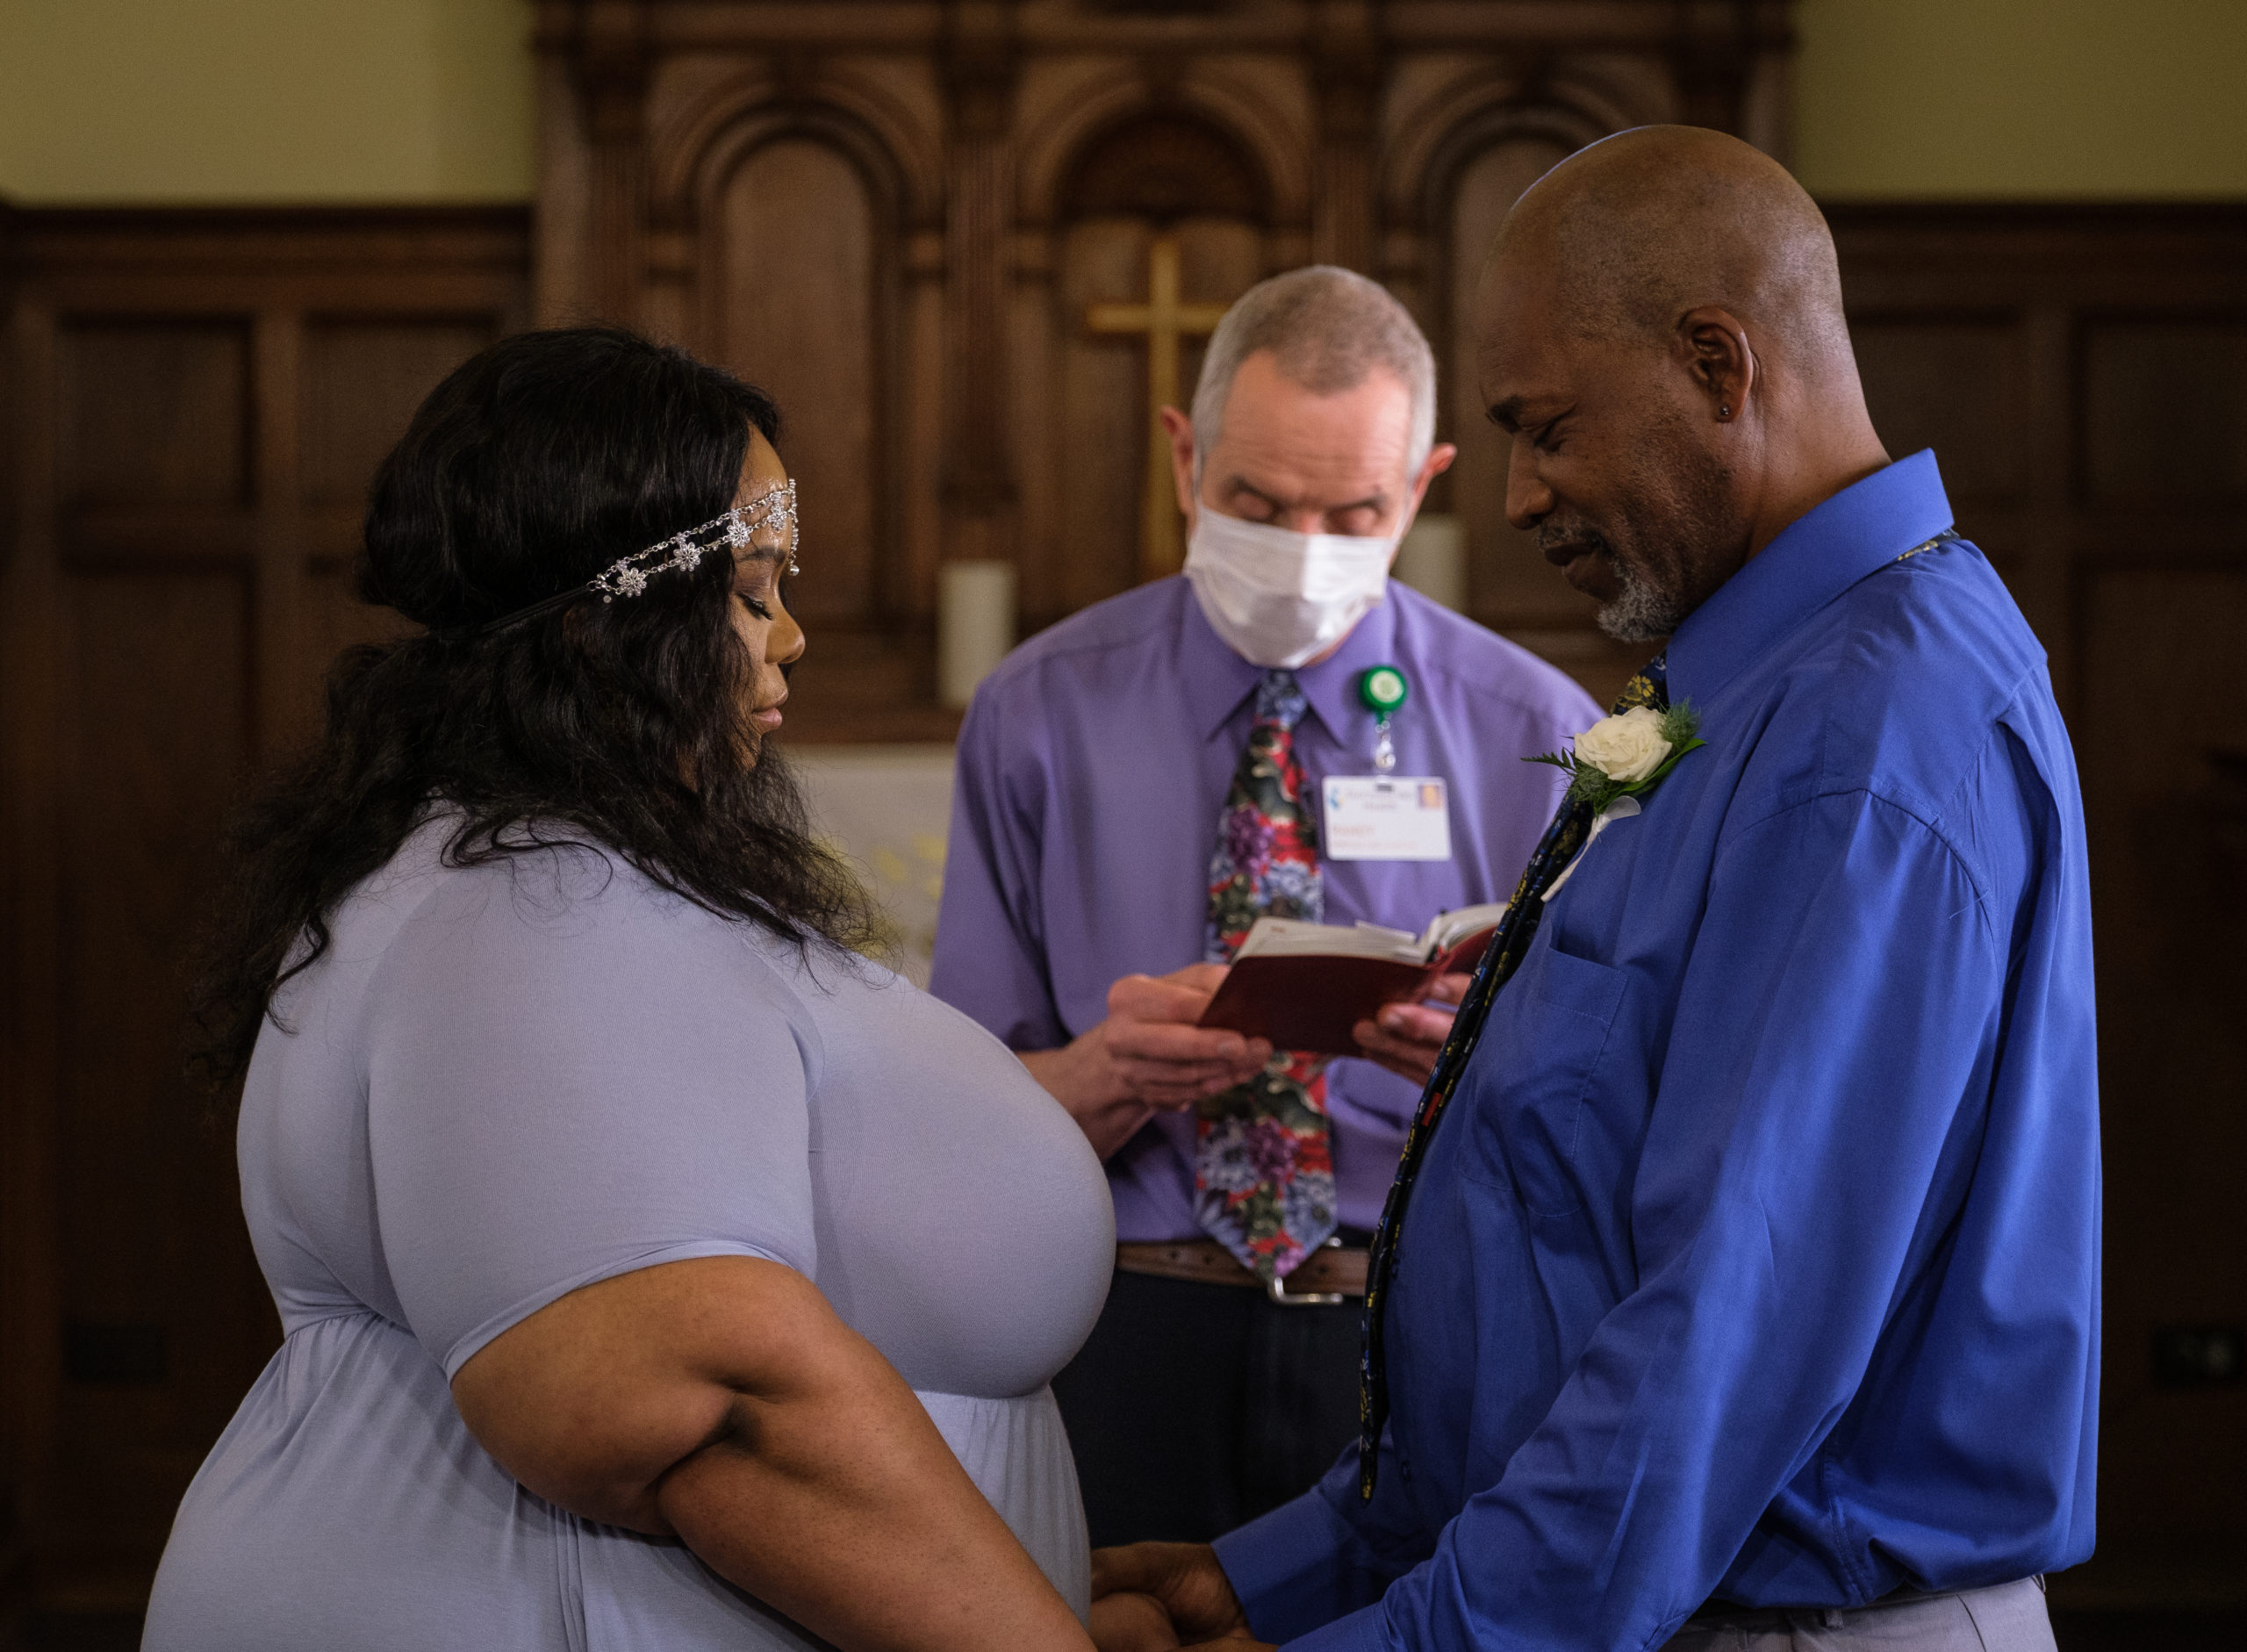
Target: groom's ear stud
[(1724, 410)]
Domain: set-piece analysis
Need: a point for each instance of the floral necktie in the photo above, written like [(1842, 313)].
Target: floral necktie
[(1263, 1161), (1570, 829)]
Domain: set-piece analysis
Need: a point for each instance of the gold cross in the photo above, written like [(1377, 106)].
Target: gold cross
[(1165, 321)]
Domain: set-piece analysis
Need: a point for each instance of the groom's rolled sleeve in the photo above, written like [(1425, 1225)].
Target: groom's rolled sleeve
[(1816, 1122)]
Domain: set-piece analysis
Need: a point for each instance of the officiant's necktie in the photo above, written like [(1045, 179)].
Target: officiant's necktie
[(1562, 841), (1263, 1160)]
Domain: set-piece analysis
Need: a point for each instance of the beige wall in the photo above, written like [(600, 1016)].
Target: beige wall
[(239, 101), (430, 100), (2087, 99)]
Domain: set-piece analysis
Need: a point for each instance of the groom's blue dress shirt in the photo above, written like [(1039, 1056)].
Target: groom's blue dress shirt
[(1756, 1256)]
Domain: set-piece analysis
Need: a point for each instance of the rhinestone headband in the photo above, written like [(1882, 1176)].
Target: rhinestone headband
[(628, 576)]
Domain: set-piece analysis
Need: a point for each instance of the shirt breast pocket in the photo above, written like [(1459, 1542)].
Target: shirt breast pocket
[(1537, 1075)]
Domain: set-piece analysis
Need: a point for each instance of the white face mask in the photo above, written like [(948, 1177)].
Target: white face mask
[(1278, 597)]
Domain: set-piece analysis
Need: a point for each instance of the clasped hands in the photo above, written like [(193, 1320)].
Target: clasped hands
[(1149, 1056), (1154, 1596)]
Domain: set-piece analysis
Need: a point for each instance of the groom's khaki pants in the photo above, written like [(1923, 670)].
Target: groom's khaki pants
[(2007, 1618)]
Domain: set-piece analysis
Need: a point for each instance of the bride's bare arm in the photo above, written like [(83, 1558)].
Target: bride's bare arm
[(721, 1401)]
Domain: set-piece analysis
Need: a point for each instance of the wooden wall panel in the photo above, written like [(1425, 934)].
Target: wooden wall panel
[(1099, 444), (1957, 386), (363, 378), (199, 400), (994, 141), (156, 412), (1510, 586), (2163, 762), (2081, 376), (801, 316), (164, 1319), (2164, 410), (1103, 416)]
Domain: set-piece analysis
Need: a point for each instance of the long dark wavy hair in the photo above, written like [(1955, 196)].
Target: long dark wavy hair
[(532, 467)]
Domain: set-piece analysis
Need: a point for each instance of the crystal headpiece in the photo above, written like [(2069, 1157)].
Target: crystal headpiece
[(628, 576)]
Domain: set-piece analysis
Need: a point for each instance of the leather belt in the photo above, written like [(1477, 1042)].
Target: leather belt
[(1335, 1273), (1718, 1615)]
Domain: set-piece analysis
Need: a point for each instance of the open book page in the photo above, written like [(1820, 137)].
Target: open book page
[(1291, 937), (1448, 929)]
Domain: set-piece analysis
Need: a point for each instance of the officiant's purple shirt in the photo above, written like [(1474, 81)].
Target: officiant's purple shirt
[(1092, 767)]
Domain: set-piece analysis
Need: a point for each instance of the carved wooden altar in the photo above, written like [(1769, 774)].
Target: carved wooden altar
[(897, 216)]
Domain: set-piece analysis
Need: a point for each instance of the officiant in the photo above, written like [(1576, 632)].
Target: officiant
[(1141, 782)]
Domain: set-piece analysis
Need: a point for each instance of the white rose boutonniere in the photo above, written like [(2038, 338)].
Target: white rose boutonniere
[(1627, 748), (1626, 755)]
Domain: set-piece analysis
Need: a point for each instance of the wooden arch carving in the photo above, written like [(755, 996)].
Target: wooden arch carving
[(1273, 145), (1165, 163), (1478, 110), (699, 220), (695, 151)]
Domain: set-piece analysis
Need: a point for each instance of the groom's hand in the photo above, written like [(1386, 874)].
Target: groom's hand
[(1129, 1621), (1185, 1579)]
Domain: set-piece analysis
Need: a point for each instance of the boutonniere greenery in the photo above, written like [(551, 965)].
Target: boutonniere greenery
[(1627, 755)]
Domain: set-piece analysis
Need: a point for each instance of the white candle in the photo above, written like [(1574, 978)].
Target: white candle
[(975, 625), (1432, 560)]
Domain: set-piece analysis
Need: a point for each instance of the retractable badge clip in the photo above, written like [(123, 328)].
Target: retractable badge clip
[(1383, 689), (1386, 815)]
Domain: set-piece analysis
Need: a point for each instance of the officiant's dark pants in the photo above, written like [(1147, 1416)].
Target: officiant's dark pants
[(1195, 1407)]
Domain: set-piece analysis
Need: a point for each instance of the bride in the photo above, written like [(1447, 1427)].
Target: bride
[(655, 1271)]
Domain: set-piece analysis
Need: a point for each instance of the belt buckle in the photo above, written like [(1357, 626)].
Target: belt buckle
[(1276, 1286), (1277, 1291)]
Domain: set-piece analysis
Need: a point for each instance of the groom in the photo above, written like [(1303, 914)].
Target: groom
[(1742, 1275)]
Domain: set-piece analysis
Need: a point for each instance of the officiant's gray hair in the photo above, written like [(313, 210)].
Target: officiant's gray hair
[(1327, 327)]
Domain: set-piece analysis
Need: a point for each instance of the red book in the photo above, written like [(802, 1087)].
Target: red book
[(1304, 986)]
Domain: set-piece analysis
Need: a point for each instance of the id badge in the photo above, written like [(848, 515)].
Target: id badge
[(1388, 817)]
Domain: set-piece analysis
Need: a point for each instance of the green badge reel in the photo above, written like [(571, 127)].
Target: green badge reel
[(1383, 689)]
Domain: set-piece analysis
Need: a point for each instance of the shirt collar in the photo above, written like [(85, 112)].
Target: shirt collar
[(1331, 685), (1815, 558), (1217, 680)]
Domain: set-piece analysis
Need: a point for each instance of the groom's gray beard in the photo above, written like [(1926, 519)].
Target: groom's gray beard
[(1643, 612)]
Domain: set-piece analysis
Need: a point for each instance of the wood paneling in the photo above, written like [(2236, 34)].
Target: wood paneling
[(2158, 740), (197, 402), (1956, 384), (165, 1319), (2164, 410), (2081, 376), (804, 313), (1009, 158), (1098, 450), (1510, 586), (156, 412), (363, 378)]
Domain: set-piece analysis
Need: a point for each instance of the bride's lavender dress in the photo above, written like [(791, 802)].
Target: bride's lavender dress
[(509, 1082)]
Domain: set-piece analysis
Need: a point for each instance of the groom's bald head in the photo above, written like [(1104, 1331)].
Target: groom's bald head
[(1641, 227), (1660, 325)]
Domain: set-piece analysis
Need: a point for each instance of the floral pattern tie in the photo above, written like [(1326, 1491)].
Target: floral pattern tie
[(1263, 1157)]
